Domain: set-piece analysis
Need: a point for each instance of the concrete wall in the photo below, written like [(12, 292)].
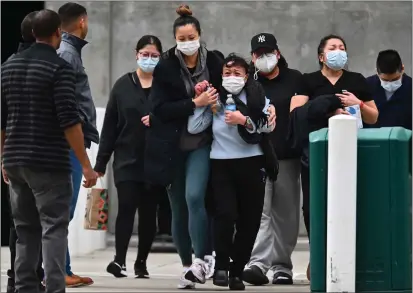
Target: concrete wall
[(367, 27)]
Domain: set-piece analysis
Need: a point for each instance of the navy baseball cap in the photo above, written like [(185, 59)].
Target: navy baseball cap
[(263, 41)]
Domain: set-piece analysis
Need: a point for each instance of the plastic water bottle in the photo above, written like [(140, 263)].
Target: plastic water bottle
[(230, 104)]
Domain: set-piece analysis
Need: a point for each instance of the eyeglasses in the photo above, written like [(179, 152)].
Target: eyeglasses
[(146, 55)]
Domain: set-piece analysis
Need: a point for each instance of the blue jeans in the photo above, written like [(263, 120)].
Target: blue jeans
[(76, 182), (187, 197)]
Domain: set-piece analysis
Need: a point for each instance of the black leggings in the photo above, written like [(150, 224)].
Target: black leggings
[(238, 188), (131, 196), (164, 214), (305, 185)]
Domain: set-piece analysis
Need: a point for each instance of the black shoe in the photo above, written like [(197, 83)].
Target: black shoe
[(236, 284), (141, 271), (118, 270), (10, 286), (254, 276), (42, 288), (220, 278), (164, 237), (282, 278)]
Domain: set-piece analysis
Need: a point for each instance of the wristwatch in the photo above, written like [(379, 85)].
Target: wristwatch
[(248, 122)]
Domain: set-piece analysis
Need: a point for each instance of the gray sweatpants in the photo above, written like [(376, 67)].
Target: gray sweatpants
[(280, 221), (40, 203)]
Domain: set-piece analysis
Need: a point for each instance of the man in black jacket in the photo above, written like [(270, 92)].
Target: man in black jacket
[(28, 40)]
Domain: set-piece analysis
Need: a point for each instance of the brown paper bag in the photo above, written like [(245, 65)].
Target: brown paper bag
[(97, 206)]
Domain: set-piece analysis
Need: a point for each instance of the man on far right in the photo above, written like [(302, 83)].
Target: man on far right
[(392, 91)]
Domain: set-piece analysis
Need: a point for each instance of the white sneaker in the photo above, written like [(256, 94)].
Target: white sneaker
[(184, 283), (197, 271), (210, 260)]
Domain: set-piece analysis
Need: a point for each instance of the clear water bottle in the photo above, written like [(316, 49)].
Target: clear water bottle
[(230, 104)]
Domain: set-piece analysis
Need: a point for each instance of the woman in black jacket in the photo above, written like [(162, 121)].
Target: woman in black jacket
[(176, 158), (349, 88), (127, 120)]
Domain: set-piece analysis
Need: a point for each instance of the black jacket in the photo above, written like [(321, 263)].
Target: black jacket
[(310, 117), (123, 133), (255, 103), (172, 106)]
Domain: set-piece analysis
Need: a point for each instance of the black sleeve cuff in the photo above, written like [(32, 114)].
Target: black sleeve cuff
[(100, 167)]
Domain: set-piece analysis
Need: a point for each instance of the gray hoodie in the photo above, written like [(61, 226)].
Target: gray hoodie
[(70, 50)]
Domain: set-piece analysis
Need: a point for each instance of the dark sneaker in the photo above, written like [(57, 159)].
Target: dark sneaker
[(282, 278), (220, 278), (10, 285), (254, 276), (141, 271), (42, 288), (236, 284), (118, 270)]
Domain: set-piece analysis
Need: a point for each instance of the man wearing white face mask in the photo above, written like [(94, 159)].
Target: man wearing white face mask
[(280, 219), (392, 91)]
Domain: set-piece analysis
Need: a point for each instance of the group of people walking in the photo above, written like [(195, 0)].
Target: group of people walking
[(227, 139)]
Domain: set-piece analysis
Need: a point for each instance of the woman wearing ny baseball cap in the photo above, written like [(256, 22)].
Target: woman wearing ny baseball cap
[(280, 220)]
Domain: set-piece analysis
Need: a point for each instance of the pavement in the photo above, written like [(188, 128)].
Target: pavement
[(164, 269)]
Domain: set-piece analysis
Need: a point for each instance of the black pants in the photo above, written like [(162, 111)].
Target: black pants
[(305, 185), (12, 247), (131, 196), (238, 188), (164, 214)]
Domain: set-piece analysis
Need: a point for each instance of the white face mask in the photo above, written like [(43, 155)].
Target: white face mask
[(391, 86), (233, 84), (188, 48), (266, 63)]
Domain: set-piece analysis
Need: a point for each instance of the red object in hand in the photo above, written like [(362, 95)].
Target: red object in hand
[(361, 105)]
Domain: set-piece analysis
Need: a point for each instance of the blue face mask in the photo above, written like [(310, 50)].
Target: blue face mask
[(147, 64), (336, 60)]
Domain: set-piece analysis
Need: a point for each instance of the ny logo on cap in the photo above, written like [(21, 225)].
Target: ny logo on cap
[(261, 39)]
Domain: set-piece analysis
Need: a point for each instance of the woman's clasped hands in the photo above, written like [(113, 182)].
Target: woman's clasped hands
[(204, 96)]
